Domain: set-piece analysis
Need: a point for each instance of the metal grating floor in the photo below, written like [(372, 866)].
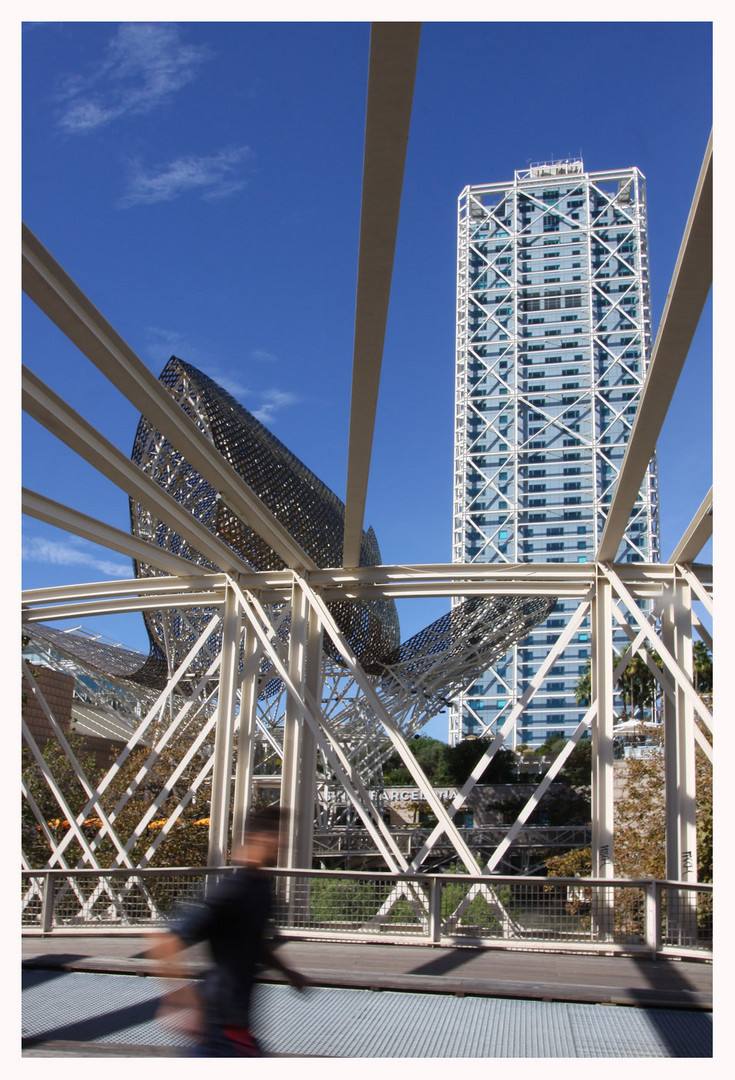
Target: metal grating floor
[(120, 1009)]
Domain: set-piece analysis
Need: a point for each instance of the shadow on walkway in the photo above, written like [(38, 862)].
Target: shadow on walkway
[(93, 1027), (449, 961)]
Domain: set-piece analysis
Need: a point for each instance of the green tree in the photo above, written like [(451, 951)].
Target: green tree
[(35, 846), (640, 822), (577, 769), (574, 863), (186, 843), (462, 758), (637, 685), (429, 754), (450, 765), (583, 689)]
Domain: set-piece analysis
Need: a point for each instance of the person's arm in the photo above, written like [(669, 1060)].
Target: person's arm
[(183, 1003)]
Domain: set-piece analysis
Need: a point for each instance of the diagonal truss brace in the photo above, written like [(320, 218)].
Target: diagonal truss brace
[(675, 670), (662, 676), (320, 728), (394, 733), (459, 800), (138, 734), (40, 402)]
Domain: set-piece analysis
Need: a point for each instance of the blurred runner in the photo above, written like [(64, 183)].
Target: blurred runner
[(234, 921)]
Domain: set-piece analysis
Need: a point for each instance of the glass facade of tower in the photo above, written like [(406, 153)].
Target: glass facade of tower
[(553, 342)]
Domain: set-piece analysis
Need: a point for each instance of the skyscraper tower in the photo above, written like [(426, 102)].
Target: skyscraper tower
[(553, 343)]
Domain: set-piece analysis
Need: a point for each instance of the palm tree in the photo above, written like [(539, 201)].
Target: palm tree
[(638, 687)]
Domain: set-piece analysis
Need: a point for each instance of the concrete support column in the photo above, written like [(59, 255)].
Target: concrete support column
[(219, 810)]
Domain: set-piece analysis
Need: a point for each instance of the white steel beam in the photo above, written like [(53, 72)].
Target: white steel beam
[(72, 759), (293, 729), (120, 604), (514, 573), (65, 304), (702, 630), (164, 588), (219, 811), (40, 402), (245, 737), (690, 286), (392, 71), (697, 534), (685, 737), (298, 785), (73, 521), (541, 789), (393, 731), (74, 831), (696, 586), (75, 601), (137, 737), (144, 771), (602, 737), (676, 753)]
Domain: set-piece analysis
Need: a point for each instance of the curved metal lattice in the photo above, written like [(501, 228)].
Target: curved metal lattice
[(460, 645), (105, 674), (312, 514)]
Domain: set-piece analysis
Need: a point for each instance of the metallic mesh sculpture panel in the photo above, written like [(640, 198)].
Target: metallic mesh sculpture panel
[(106, 657), (106, 674), (312, 514), (456, 648)]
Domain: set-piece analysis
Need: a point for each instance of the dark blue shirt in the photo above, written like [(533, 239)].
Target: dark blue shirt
[(233, 919)]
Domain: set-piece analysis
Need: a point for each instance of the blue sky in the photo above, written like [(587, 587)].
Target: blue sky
[(201, 183)]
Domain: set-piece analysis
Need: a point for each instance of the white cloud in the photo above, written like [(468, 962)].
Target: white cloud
[(272, 402), (209, 175), (263, 404), (229, 381), (38, 550), (162, 344), (145, 63)]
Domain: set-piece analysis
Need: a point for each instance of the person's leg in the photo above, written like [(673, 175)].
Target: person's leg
[(231, 1041), (242, 1041)]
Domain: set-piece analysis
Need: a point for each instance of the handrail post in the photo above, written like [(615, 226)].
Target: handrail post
[(435, 910), (652, 917), (47, 904)]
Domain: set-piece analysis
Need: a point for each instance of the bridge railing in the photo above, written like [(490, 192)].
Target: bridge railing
[(562, 914)]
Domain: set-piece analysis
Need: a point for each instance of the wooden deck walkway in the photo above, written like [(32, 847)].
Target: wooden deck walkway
[(486, 972)]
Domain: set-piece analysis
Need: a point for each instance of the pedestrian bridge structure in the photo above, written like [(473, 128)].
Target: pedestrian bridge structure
[(274, 638)]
